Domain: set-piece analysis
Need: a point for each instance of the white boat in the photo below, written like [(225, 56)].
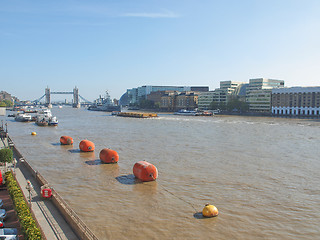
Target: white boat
[(45, 118), (44, 112), (23, 117), (185, 112)]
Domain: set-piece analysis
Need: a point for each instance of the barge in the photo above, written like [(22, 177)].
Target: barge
[(137, 114)]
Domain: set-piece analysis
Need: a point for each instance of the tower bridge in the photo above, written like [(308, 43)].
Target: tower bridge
[(76, 103)]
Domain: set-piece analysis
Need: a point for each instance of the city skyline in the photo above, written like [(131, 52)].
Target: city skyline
[(116, 46)]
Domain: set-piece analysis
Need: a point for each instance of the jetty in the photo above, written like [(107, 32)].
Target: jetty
[(54, 217)]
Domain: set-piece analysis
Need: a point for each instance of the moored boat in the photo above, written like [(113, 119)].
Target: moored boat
[(23, 117), (185, 112), (104, 104), (205, 113), (41, 122), (45, 118), (115, 113)]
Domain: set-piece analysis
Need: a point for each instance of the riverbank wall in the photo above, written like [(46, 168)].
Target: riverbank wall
[(73, 220)]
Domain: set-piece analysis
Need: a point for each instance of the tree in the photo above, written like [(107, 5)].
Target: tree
[(147, 104), (6, 155), (214, 105), (157, 105), (6, 103), (235, 104)]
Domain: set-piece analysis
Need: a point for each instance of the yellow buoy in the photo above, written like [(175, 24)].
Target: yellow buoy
[(210, 211), (33, 133)]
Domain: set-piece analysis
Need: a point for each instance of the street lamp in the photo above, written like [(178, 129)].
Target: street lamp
[(29, 187), (14, 165)]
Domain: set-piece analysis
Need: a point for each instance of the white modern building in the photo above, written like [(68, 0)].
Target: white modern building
[(219, 95), (258, 94), (205, 99)]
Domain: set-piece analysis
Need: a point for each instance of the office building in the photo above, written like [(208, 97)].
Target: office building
[(136, 94), (258, 94), (296, 101)]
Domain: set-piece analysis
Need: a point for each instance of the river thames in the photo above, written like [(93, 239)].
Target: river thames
[(262, 174)]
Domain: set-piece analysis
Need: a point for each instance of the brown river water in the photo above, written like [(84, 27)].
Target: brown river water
[(263, 174)]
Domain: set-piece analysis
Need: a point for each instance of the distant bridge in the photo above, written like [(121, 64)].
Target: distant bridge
[(75, 102)]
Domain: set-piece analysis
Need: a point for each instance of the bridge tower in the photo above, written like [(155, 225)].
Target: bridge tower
[(48, 100), (76, 102)]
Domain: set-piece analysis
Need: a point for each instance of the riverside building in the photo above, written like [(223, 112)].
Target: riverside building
[(136, 94), (296, 101), (258, 94), (174, 101), (220, 95), (205, 99)]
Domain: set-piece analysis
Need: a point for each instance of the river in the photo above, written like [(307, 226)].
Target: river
[(262, 173)]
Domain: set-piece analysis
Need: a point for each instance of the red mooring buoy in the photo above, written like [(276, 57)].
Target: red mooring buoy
[(108, 156), (145, 171), (66, 140), (86, 146)]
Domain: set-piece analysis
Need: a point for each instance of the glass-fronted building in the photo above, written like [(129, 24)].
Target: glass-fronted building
[(258, 94)]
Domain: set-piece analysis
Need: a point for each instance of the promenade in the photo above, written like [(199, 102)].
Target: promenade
[(47, 215), (52, 223)]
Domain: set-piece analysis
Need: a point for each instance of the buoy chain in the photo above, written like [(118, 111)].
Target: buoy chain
[(180, 198)]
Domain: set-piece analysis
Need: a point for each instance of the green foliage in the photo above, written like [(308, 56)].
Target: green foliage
[(157, 105), (236, 105), (147, 104), (29, 227), (233, 105), (217, 105), (6, 155), (6, 103)]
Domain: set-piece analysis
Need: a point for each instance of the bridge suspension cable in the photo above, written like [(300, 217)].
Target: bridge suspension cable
[(39, 99), (82, 98)]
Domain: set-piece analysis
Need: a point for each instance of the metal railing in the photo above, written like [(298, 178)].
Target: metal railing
[(86, 233)]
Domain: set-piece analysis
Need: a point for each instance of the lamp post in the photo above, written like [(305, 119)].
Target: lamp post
[(29, 187)]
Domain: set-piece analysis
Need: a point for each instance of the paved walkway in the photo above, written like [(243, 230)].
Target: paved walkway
[(48, 216)]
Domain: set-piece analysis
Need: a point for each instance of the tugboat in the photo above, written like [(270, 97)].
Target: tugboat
[(104, 104)]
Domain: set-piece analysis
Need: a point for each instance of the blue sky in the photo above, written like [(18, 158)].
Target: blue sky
[(119, 44)]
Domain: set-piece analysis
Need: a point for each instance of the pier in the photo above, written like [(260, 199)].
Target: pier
[(54, 217)]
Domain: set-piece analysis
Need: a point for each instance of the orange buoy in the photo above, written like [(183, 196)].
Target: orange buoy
[(66, 140), (86, 146), (145, 171), (108, 156)]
